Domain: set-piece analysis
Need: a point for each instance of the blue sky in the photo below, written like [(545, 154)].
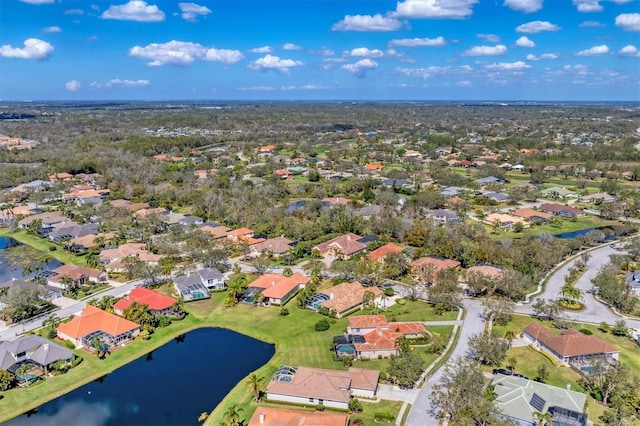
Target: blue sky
[(320, 50)]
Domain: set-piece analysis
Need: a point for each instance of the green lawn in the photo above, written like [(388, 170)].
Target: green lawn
[(43, 245), (411, 311), (370, 410)]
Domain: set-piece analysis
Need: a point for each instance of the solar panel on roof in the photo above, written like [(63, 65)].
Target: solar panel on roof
[(537, 402)]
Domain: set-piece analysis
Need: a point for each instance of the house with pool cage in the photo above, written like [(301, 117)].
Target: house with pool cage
[(92, 323), (36, 353)]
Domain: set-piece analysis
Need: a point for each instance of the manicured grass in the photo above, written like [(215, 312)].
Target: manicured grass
[(43, 245), (411, 311), (370, 410), (567, 225)]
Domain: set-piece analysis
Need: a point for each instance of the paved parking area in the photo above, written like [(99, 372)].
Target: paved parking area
[(63, 302)]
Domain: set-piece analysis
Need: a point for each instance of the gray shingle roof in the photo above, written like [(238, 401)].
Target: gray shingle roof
[(42, 351)]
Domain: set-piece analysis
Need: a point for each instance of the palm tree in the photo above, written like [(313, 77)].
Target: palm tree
[(568, 291), (255, 381), (22, 371), (543, 418), (51, 322), (92, 259), (510, 335), (232, 415)]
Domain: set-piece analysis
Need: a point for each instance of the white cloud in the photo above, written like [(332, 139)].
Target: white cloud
[(135, 10), (433, 71), (492, 38), (464, 83), (116, 82), (291, 46), (602, 49), (270, 62), (72, 86), (191, 11), (305, 87), (33, 48), (419, 42), (526, 6), (508, 66), (629, 50), (263, 49), (182, 53), (535, 27), (52, 29), (498, 49), (364, 51), (74, 12), (257, 88), (593, 24), (629, 21), (587, 6), (37, 1), (367, 23), (525, 42), (360, 68), (531, 57), (417, 9)]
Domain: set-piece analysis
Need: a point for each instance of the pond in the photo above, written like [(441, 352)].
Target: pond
[(172, 385), (584, 232), (14, 256)]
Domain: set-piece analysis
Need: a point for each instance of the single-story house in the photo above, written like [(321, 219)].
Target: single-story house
[(532, 215), (83, 244), (506, 220), (492, 272), (558, 192), (380, 336), (489, 180), (428, 267), (330, 388), (600, 197), (272, 416), (496, 196), (633, 280), (346, 297), (561, 210), (277, 289), (216, 232), (158, 303), (389, 183), (451, 191), (571, 347), (112, 258), (190, 288), (519, 399), (48, 220), (380, 253), (34, 350), (71, 230), (79, 274), (92, 322), (45, 292), (276, 246), (343, 246)]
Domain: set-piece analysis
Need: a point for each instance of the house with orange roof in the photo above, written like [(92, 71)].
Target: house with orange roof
[(238, 234), (159, 211), (272, 416), (373, 167), (346, 297), (380, 253), (571, 347), (112, 259), (275, 289), (487, 271), (93, 323), (60, 177), (532, 215), (266, 149), (283, 174), (372, 336), (428, 267), (158, 303), (318, 386)]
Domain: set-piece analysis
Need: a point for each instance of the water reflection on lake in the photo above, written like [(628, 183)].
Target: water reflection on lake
[(170, 386), (9, 268)]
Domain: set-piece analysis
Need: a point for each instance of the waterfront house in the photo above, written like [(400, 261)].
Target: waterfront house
[(190, 288), (532, 215), (211, 278), (275, 289), (318, 386), (379, 337), (346, 297), (45, 292), (92, 323), (79, 275), (560, 210), (34, 351), (158, 304), (271, 416)]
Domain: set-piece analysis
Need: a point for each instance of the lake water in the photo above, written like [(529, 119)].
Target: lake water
[(9, 270), (582, 233), (170, 386)]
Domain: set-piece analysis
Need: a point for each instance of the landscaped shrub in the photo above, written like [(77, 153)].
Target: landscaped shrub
[(69, 344), (388, 292), (322, 325), (355, 405), (384, 416), (401, 301), (53, 248), (585, 331)]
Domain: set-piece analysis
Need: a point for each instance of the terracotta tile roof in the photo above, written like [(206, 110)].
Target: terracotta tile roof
[(216, 231), (93, 319), (154, 300), (76, 272), (492, 272), (88, 241), (571, 343), (328, 385), (346, 296), (384, 338), (373, 167), (283, 417), (151, 211), (348, 244), (130, 249), (368, 321), (278, 286), (557, 208), (386, 249), (438, 263), (277, 245), (240, 232), (529, 213)]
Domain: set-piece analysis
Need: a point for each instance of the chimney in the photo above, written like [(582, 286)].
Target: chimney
[(262, 417), (46, 346), (568, 386)]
